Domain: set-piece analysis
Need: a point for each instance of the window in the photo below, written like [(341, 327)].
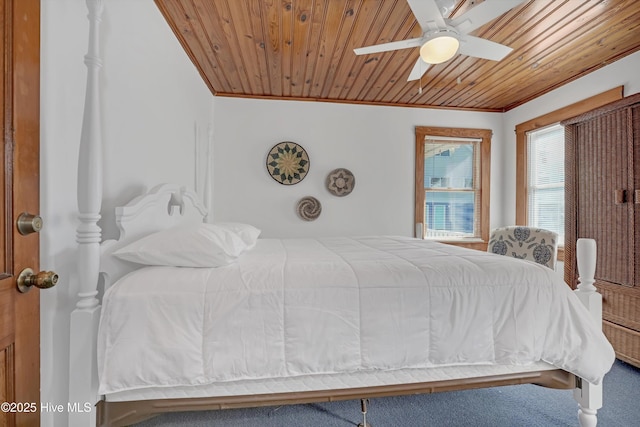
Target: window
[(452, 184), (523, 163), (545, 181)]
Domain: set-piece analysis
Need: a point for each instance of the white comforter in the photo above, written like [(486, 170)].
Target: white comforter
[(311, 306)]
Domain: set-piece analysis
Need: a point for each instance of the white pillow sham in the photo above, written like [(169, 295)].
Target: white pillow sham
[(200, 245), (248, 233)]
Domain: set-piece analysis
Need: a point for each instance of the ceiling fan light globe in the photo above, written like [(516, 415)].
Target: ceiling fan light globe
[(439, 49)]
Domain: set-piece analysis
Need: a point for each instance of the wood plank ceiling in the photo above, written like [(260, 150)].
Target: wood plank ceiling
[(303, 49)]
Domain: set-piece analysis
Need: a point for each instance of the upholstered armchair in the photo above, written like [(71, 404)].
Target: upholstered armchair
[(530, 243)]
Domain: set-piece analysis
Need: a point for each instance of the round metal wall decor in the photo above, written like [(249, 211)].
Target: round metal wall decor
[(309, 208), (340, 182), (288, 163)]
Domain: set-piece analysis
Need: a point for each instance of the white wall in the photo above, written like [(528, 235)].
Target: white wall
[(622, 72), (376, 143), (155, 109)]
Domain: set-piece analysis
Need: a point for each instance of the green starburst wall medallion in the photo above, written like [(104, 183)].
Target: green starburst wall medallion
[(288, 163)]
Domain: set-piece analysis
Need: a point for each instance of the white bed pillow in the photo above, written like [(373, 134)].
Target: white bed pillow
[(200, 245), (248, 233)]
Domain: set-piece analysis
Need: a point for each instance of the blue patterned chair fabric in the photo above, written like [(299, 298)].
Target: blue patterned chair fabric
[(533, 244)]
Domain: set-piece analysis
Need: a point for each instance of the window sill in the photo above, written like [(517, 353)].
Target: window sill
[(478, 244), (455, 240)]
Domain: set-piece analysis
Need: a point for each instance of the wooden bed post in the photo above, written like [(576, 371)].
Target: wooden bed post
[(588, 396), (83, 374)]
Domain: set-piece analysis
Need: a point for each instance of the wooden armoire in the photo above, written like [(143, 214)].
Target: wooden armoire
[(602, 202)]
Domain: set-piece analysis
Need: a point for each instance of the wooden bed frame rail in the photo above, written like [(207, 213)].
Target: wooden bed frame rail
[(83, 379), (115, 414)]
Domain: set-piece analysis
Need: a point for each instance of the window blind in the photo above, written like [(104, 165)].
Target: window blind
[(545, 188)]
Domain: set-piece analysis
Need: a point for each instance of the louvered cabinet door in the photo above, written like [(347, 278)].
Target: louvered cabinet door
[(604, 182)]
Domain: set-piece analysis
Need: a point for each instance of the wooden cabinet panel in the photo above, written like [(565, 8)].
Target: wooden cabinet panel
[(626, 342), (620, 305)]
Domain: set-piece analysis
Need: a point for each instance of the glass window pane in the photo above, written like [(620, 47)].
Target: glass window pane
[(448, 165), (450, 213)]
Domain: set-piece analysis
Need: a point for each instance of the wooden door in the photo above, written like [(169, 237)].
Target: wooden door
[(19, 191)]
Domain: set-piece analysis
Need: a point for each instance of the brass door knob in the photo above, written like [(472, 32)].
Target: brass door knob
[(42, 280), (28, 223)]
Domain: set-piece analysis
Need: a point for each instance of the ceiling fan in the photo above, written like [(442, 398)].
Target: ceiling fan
[(443, 38)]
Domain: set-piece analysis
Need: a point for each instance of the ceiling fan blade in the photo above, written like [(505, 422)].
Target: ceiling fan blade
[(385, 47), (483, 13), (427, 14), (483, 48), (418, 70)]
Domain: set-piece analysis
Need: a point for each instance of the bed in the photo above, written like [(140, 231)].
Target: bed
[(301, 320), (312, 319)]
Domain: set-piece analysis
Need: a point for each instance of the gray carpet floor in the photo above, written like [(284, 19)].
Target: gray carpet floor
[(510, 406)]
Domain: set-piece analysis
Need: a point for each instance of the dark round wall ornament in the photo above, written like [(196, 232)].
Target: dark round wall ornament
[(340, 182), (308, 208), (288, 163)]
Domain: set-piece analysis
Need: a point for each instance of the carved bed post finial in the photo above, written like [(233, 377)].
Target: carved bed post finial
[(588, 396), (83, 372), (586, 253)]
